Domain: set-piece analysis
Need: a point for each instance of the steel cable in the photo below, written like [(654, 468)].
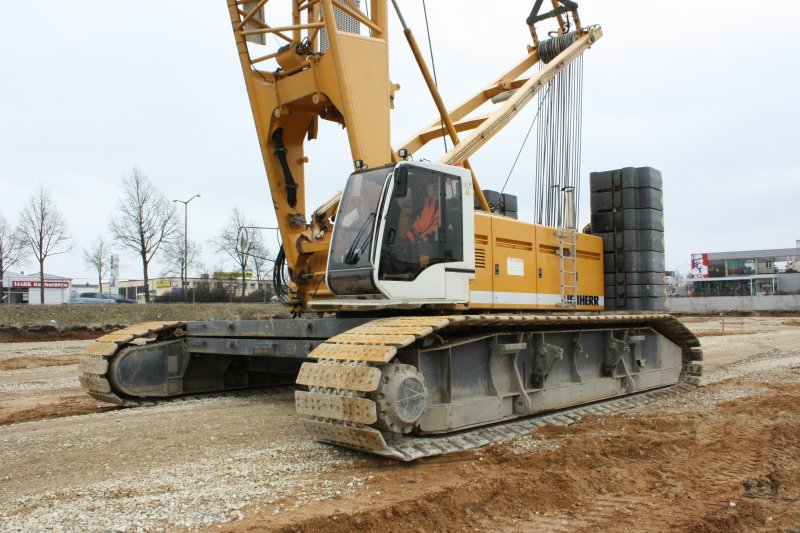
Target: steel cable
[(559, 133)]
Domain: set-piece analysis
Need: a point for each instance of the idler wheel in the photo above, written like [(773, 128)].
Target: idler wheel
[(401, 398)]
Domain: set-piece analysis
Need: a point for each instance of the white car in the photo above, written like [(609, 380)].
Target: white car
[(90, 298)]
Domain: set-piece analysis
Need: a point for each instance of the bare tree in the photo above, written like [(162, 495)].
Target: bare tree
[(12, 249), (230, 242), (261, 260), (174, 258), (44, 229), (96, 257), (145, 220)]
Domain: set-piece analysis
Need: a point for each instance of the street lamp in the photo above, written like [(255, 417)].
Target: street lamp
[(185, 240)]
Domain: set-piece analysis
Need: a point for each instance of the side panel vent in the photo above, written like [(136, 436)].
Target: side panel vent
[(480, 258), (513, 244)]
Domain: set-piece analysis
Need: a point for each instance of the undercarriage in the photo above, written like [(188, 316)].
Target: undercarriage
[(378, 385)]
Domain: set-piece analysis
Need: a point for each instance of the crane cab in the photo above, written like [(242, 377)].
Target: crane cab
[(403, 237), (407, 236)]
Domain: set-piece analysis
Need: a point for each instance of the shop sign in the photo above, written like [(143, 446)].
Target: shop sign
[(699, 266), (31, 284)]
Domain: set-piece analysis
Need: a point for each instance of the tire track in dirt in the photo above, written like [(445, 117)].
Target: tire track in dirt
[(18, 363), (721, 483), (706, 485), (659, 471), (51, 403), (38, 381)]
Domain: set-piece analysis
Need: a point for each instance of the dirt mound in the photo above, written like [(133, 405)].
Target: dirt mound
[(46, 333), (55, 404), (71, 315), (733, 468), (36, 362), (723, 333)]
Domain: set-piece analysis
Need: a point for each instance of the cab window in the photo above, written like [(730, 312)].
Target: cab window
[(423, 224)]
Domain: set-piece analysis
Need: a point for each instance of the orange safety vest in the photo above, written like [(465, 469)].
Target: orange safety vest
[(427, 222)]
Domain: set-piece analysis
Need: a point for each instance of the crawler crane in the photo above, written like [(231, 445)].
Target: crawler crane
[(438, 312)]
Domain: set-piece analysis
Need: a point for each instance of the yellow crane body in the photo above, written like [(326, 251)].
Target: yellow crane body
[(517, 266)]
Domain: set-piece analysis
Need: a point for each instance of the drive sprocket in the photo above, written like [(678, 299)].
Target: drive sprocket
[(401, 398)]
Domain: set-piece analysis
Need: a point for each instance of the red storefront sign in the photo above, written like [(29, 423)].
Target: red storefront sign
[(31, 284)]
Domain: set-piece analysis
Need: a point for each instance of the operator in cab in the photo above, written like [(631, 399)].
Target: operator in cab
[(426, 224)]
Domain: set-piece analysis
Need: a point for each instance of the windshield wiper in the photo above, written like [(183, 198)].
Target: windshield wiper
[(354, 252)]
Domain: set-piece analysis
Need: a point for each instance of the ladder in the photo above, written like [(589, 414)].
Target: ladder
[(567, 247)]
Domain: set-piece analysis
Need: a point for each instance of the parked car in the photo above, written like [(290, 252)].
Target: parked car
[(120, 299), (91, 298)]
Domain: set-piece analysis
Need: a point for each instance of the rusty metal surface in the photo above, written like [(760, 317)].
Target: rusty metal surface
[(108, 398), (349, 366), (344, 352), (95, 383), (410, 448), (134, 329), (352, 352), (399, 341), (93, 365), (361, 438), (158, 325), (432, 321), (100, 349), (346, 408), (339, 376), (416, 330), (118, 337)]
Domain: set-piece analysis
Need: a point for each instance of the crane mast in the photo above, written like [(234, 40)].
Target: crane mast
[(347, 83)]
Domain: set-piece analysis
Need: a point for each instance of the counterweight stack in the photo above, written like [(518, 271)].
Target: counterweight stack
[(628, 213)]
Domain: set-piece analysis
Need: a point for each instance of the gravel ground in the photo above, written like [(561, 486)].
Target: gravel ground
[(38, 377), (11, 350), (205, 463), (31, 380), (149, 486)]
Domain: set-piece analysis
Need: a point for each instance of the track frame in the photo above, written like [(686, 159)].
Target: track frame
[(487, 383)]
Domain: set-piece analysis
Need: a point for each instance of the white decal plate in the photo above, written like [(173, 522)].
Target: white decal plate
[(515, 266)]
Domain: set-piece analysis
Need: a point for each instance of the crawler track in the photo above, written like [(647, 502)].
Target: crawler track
[(412, 448), (94, 366), (340, 411), (338, 405)]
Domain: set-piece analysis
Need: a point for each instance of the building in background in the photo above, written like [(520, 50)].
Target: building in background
[(743, 281), (225, 285), (19, 288), (745, 273)]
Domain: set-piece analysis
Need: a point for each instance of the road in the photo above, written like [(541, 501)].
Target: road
[(722, 457)]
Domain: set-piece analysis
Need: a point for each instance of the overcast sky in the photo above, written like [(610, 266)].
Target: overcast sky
[(706, 92)]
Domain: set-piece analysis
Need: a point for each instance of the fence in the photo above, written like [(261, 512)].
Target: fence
[(712, 304)]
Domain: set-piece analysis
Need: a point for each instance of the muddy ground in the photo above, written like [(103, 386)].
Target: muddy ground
[(723, 457)]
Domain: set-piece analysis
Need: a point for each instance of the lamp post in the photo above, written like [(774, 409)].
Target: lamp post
[(185, 241)]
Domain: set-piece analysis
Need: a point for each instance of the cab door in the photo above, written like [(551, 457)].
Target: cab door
[(421, 232)]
